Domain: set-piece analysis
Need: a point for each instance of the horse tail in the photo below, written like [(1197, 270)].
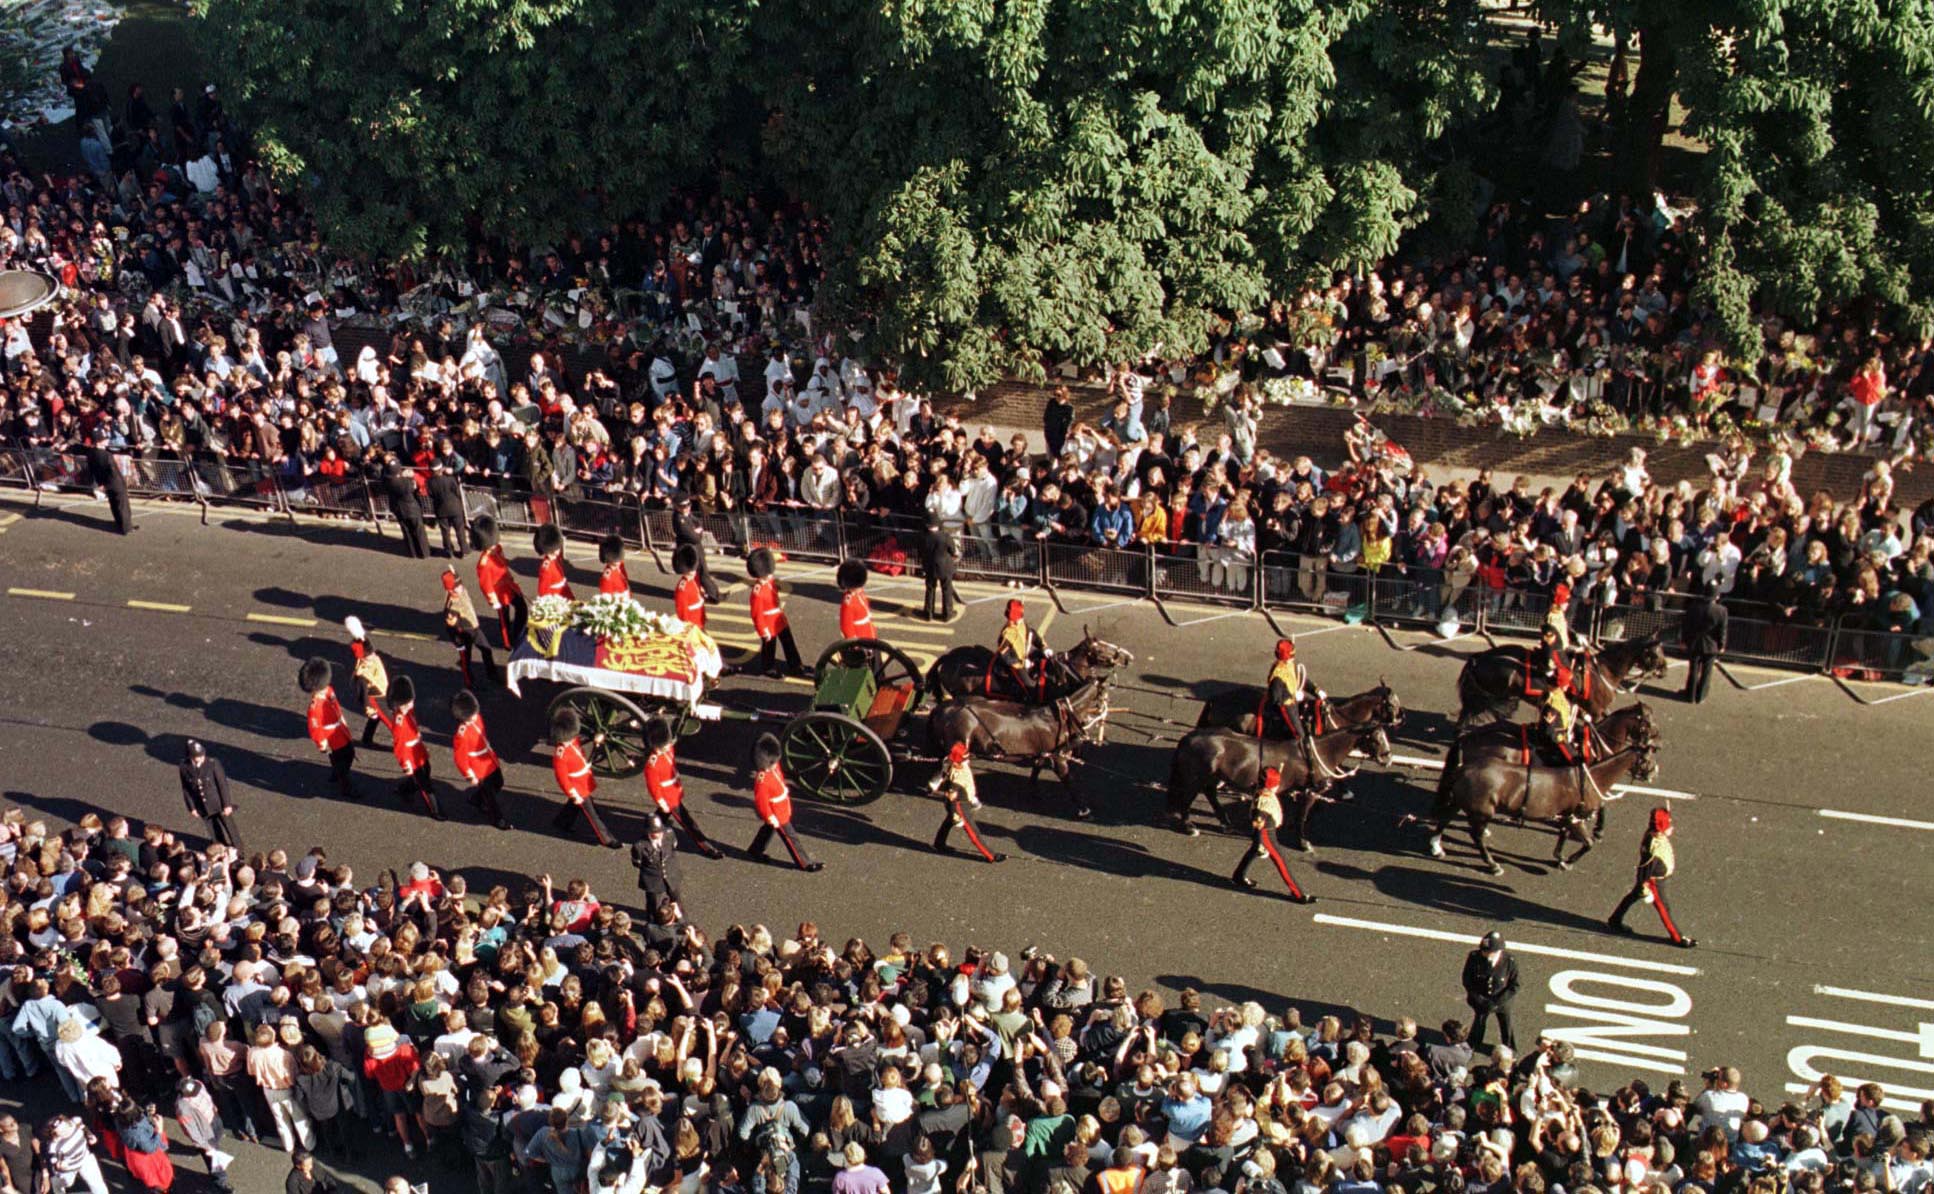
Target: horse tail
[(1442, 807)]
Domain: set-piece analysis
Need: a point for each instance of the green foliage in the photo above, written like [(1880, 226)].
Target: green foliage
[(406, 119)]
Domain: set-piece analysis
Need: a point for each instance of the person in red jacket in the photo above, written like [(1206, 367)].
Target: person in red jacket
[(688, 595), (769, 615), (614, 578), (574, 779), (406, 740), (855, 611), (327, 729), (500, 588), (667, 790), (549, 542), (390, 1060), (774, 804), (475, 760)]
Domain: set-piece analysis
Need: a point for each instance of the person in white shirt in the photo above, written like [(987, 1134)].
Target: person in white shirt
[(664, 375), (1719, 563), (85, 1054), (725, 368), (1722, 1103), (979, 490)]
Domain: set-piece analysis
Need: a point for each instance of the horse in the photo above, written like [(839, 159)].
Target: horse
[(1047, 735), (1485, 785), (1508, 742), (969, 671), (1206, 759), (1493, 682), (1235, 709)]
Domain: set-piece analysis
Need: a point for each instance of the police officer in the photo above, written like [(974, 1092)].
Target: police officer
[(327, 728), (465, 631), (686, 531), (769, 614), (855, 611), (1703, 634), (1656, 864), (773, 802), (1016, 646), (399, 485), (372, 677), (611, 554), (939, 554), (656, 857), (110, 480), (666, 789), (955, 784), (446, 503), (1266, 819), (204, 787), (475, 760), (1490, 984)]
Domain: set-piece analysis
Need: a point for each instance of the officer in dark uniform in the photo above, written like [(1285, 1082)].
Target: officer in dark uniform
[(656, 857), (1490, 984), (1656, 864), (685, 529), (446, 502), (1703, 634), (399, 485), (204, 788), (109, 479), (939, 553)]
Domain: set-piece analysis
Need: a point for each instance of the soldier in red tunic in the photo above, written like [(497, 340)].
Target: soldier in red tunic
[(475, 760), (855, 611), (769, 615), (574, 779), (688, 595), (614, 578), (327, 729), (406, 740), (667, 790), (499, 585), (549, 542), (774, 804)]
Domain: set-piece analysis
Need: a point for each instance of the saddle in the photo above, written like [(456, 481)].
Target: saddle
[(1578, 683), (1533, 749), (1038, 682)]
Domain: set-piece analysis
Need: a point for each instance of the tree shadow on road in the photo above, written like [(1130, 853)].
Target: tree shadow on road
[(1485, 898)]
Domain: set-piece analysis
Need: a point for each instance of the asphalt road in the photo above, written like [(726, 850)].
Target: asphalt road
[(1812, 955)]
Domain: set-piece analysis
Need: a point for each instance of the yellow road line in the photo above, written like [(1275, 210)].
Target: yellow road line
[(166, 607), (726, 615), (1047, 620), (412, 635), (49, 594), (279, 620), (907, 625)]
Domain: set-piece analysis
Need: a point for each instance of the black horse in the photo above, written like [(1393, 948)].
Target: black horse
[(1236, 708), (1493, 682), (1206, 759), (969, 671), (1041, 736), (1488, 782)]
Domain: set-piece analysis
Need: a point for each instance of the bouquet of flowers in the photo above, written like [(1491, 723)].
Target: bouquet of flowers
[(548, 618), (612, 618)]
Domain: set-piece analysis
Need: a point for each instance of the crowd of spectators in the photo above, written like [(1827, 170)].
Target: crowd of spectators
[(530, 1037), (197, 334)]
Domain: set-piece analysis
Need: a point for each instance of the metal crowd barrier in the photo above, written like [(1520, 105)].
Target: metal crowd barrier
[(1423, 599)]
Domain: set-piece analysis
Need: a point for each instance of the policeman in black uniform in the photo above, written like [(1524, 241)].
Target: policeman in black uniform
[(1703, 634), (656, 857), (399, 485), (1490, 984), (446, 503), (109, 479), (204, 788), (685, 529), (939, 553)]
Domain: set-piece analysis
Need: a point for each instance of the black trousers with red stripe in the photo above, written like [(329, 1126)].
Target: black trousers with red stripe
[(418, 781), (340, 761), (1265, 843), (683, 817), (467, 641), (484, 796), (762, 841), (511, 618), (957, 810), (567, 819), (1639, 888)]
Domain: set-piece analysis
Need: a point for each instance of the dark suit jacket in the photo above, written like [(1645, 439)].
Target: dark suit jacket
[(446, 496), (1704, 630), (401, 490), (938, 551)]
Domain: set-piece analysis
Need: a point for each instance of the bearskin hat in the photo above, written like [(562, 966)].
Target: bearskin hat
[(402, 691), (685, 559), (611, 550), (315, 675), (547, 539), (658, 733), (760, 563), (851, 574), (483, 532), (564, 726), (463, 706), (765, 752)]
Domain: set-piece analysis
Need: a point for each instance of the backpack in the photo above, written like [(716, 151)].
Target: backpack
[(203, 1015)]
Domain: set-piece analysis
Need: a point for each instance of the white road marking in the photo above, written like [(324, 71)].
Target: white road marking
[(1621, 789), (1523, 947), (1874, 997), (1417, 761), (1870, 819), (1615, 1010)]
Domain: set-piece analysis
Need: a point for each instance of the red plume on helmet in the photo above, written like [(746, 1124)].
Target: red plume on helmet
[(1015, 610), (1271, 777), (449, 581), (957, 753), (1285, 650), (1661, 820)]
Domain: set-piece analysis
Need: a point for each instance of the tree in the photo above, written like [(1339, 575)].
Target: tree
[(409, 124), (1021, 183)]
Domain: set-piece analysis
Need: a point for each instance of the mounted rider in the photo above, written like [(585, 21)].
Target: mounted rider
[(1018, 649), (1558, 722), (1286, 693)]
